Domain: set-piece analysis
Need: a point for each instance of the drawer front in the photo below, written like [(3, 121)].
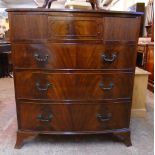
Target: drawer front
[(35, 85), (77, 28), (73, 117), (29, 27), (121, 29), (74, 56)]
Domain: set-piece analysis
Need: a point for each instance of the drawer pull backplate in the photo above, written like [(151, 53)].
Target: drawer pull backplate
[(45, 88), (41, 59), (45, 118), (101, 85), (110, 59), (104, 117)]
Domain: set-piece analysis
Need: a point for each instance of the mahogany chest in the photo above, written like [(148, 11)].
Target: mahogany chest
[(73, 71)]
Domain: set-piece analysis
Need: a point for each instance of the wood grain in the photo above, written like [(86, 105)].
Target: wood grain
[(73, 71), (73, 86), (71, 118), (80, 56)]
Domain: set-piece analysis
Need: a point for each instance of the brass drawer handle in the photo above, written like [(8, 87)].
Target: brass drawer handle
[(45, 88), (101, 85), (104, 117), (42, 118), (111, 59), (41, 59)]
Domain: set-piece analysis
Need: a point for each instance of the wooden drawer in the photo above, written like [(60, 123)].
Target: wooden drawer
[(29, 27), (76, 86), (73, 117), (121, 29), (74, 56), (77, 28)]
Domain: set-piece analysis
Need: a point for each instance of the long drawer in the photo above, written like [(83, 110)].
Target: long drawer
[(73, 117), (64, 27), (73, 27), (74, 56), (73, 86)]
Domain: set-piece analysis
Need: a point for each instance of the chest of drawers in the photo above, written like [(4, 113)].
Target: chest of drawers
[(73, 71)]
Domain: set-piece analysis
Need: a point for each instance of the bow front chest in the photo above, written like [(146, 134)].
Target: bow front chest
[(73, 71)]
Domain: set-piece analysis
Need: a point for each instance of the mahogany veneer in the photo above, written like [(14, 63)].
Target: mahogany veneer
[(73, 71)]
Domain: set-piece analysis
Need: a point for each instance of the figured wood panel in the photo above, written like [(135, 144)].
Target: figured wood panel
[(28, 27), (75, 28), (73, 117), (74, 56), (106, 56), (69, 86), (59, 56), (121, 29)]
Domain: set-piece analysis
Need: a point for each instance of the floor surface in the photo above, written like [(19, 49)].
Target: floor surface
[(141, 134)]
